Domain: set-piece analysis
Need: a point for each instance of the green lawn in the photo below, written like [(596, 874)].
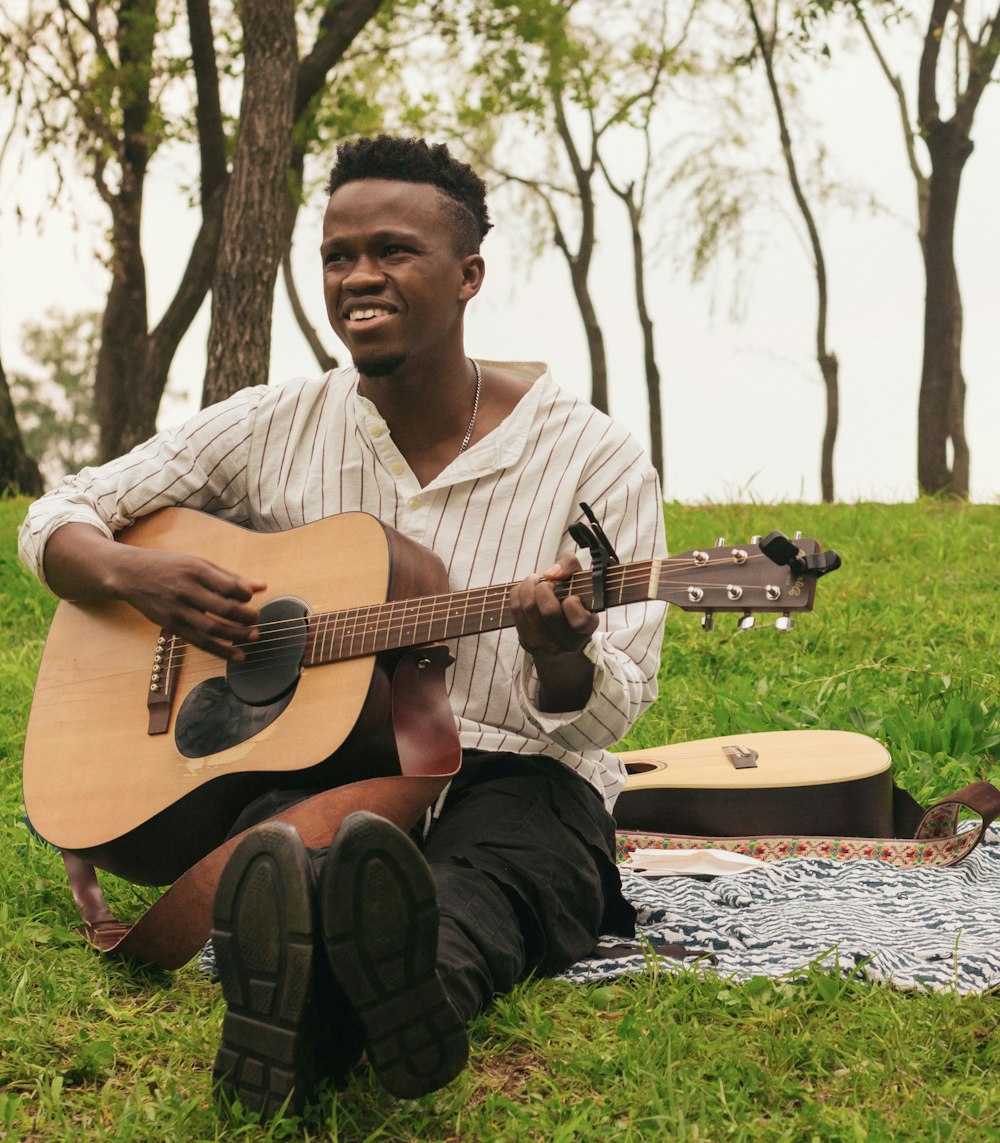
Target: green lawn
[(902, 645)]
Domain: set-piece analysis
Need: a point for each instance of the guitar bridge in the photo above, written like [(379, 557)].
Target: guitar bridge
[(742, 757), (163, 682)]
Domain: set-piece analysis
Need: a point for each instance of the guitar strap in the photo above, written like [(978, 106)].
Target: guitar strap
[(176, 927), (923, 837)]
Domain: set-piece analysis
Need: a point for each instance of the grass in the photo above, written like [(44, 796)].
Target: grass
[(902, 645)]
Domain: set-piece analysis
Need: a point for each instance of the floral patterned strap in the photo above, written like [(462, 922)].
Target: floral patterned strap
[(938, 840)]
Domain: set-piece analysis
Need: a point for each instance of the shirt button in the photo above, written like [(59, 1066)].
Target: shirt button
[(377, 430), (396, 468), (415, 501)]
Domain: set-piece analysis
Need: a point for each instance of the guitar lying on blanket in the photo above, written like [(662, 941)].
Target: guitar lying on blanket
[(780, 782), (141, 750)]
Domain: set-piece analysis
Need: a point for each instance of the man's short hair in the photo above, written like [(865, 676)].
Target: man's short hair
[(416, 161)]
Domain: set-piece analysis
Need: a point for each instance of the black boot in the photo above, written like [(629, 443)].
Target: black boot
[(285, 1026), (379, 920)]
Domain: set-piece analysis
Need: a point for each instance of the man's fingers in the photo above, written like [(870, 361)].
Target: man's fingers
[(579, 617), (201, 603), (210, 633), (228, 594), (563, 568), (544, 622)]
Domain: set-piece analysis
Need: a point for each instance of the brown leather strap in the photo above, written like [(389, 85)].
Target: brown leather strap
[(941, 820), (177, 926)]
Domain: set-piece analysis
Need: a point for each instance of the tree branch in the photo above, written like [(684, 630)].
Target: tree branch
[(981, 64), (909, 135), (324, 359), (928, 108), (338, 28)]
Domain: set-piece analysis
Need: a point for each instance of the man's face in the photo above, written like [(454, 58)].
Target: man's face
[(395, 288)]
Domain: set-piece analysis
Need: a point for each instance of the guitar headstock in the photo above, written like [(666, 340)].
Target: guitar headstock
[(774, 574)]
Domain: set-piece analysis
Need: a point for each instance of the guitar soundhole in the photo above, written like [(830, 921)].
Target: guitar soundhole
[(212, 718), (273, 662), (642, 767)]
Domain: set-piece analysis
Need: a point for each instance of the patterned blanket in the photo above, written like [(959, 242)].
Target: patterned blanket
[(913, 928)]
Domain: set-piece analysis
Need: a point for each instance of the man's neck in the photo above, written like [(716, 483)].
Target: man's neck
[(415, 410), (428, 411)]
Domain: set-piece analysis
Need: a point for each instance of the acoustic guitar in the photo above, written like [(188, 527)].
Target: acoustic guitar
[(141, 750), (798, 782)]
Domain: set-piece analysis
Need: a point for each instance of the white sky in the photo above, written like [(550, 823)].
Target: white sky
[(743, 402)]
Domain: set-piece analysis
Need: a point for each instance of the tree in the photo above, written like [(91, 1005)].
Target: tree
[(56, 409), (634, 195), (243, 284), (18, 471), (97, 80), (101, 80), (574, 74), (967, 55), (764, 45), (279, 118)]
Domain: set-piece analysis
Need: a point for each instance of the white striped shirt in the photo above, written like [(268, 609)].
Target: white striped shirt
[(272, 458)]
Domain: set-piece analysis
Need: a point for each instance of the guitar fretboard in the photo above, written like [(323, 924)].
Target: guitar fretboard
[(355, 632)]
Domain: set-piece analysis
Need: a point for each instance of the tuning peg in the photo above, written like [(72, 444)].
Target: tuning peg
[(708, 621), (797, 536), (784, 622), (755, 539), (747, 620), (720, 542)]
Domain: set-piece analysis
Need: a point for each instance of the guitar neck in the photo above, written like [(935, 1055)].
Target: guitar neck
[(349, 634), (720, 579)]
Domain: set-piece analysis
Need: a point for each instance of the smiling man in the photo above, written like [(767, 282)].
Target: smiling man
[(385, 943)]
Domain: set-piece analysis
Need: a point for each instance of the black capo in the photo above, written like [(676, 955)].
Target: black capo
[(602, 554), (780, 550)]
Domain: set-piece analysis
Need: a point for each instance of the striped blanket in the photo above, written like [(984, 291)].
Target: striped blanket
[(913, 928)]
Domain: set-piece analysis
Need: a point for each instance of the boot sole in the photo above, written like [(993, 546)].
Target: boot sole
[(264, 938), (379, 919)]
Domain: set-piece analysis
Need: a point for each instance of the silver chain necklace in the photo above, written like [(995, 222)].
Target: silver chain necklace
[(475, 406)]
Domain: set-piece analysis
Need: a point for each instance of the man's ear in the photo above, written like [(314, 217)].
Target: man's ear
[(473, 273)]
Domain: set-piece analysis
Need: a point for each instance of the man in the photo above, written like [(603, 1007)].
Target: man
[(384, 943)]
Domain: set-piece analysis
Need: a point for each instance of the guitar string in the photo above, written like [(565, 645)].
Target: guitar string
[(373, 633), (633, 575), (428, 611), (431, 610)]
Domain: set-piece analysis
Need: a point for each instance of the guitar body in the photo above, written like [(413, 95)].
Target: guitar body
[(791, 782), (97, 783)]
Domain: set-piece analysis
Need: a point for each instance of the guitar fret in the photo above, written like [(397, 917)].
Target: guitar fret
[(408, 625), (482, 610), (328, 639), (429, 620), (369, 632)]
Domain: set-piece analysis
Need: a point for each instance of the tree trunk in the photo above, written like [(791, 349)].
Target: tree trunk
[(133, 363), (595, 338), (18, 472), (648, 343), (941, 408), (125, 323), (579, 262), (239, 344), (830, 370), (261, 211)]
